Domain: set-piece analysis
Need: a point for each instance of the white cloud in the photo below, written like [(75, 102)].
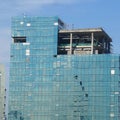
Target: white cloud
[(28, 4), (31, 4), (41, 2), (52, 1)]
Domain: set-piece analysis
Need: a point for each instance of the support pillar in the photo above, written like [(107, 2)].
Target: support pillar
[(92, 42), (70, 43)]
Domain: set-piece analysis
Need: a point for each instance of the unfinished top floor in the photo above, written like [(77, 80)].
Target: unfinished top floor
[(84, 41)]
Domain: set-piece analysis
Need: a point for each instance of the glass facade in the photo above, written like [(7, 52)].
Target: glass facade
[(47, 86)]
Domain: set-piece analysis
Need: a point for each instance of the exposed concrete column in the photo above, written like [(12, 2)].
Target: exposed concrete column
[(92, 41), (70, 43), (109, 47)]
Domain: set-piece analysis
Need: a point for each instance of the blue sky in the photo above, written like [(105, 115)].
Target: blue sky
[(81, 13)]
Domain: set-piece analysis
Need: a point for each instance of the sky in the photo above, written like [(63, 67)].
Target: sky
[(77, 13)]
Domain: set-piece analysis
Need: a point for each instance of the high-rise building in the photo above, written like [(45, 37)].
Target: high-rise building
[(2, 92), (61, 74)]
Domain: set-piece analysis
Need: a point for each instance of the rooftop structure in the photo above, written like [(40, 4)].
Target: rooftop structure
[(84, 41)]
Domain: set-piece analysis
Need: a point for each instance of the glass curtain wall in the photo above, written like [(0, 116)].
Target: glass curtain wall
[(47, 86)]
